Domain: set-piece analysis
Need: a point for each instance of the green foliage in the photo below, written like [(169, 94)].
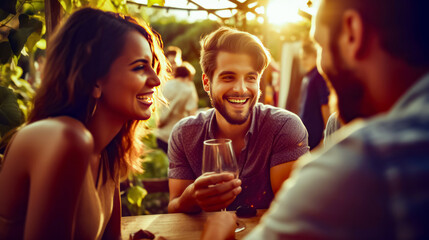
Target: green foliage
[(119, 6), (10, 78), (158, 2), (24, 27), (152, 203), (35, 8), (10, 114), (18, 38), (135, 199), (8, 6), (154, 160), (135, 195), (156, 203), (3, 14), (155, 164), (5, 52)]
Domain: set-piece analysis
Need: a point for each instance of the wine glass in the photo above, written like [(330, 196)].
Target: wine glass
[(218, 156)]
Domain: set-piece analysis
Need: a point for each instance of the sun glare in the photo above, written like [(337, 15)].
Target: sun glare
[(280, 12)]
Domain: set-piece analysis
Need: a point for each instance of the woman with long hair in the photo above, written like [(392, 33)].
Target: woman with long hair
[(61, 171)]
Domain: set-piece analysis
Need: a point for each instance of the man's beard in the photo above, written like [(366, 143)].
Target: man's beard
[(235, 120), (348, 86)]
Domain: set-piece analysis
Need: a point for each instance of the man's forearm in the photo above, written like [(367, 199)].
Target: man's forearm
[(185, 203)]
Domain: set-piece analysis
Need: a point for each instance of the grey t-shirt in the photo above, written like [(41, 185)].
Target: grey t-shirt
[(275, 136), (332, 125)]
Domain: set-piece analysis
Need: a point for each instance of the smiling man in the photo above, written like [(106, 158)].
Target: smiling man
[(266, 140)]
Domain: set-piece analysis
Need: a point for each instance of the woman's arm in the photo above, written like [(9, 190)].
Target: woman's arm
[(113, 228), (60, 158)]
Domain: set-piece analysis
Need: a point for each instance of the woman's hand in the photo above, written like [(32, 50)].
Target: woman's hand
[(221, 225)]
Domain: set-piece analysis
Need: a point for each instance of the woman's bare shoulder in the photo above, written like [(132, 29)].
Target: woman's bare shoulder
[(58, 130), (53, 139)]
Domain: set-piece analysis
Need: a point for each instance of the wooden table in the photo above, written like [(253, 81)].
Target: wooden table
[(178, 225)]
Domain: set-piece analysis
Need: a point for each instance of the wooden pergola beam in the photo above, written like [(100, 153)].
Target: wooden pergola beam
[(240, 6), (208, 11)]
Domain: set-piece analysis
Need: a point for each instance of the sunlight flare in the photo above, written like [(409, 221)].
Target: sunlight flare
[(280, 12)]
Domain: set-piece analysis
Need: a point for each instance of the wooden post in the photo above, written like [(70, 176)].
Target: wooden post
[(267, 73), (52, 16)]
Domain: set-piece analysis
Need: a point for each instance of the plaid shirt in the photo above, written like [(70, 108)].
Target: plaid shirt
[(371, 182)]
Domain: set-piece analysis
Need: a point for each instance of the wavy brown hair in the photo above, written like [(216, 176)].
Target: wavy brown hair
[(78, 54), (232, 41)]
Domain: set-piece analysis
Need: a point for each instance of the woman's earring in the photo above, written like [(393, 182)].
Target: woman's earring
[(96, 94), (95, 107)]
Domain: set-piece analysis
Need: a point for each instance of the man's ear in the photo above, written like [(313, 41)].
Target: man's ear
[(352, 40), (96, 92), (206, 82)]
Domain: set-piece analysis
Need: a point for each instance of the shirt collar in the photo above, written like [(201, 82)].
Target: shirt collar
[(414, 99), (253, 120), (312, 72), (212, 122)]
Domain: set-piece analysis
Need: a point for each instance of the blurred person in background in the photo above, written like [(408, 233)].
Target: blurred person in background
[(314, 109), (38, 65), (182, 100), (174, 56)]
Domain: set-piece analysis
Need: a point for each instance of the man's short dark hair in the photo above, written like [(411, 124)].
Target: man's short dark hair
[(174, 51), (402, 25), (184, 70), (308, 47)]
